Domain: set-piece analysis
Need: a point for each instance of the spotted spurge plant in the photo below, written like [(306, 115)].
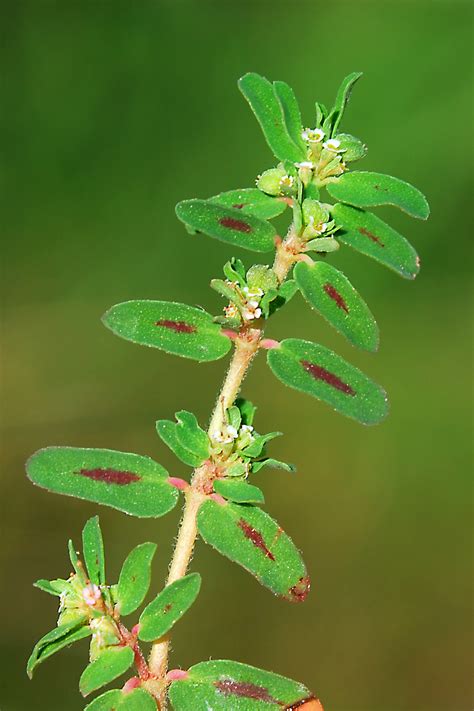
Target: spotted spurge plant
[(222, 502)]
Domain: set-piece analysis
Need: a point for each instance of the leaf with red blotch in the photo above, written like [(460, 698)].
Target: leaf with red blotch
[(371, 236), (227, 224), (266, 104), (319, 372), (251, 201), (174, 328), (131, 483), (328, 291), (250, 537), (223, 685), (366, 189)]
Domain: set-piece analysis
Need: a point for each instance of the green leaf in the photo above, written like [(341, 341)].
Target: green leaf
[(251, 201), (247, 410), (332, 122), (127, 482), (234, 417), (239, 491), (263, 101), (328, 291), (109, 701), (108, 666), (93, 549), (53, 587), (174, 328), (291, 113), (115, 700), (364, 189), (227, 224), (59, 638), (249, 537), (317, 371), (274, 463), (168, 607), (137, 700), (135, 578), (322, 244), (371, 236), (256, 447), (321, 113), (73, 556), (167, 430), (223, 685), (191, 436)]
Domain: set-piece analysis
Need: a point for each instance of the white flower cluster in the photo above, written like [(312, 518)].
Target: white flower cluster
[(316, 135), (229, 433), (252, 308)]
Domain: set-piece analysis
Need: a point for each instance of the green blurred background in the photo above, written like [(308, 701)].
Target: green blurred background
[(111, 113)]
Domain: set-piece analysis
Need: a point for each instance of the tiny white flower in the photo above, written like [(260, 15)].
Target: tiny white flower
[(287, 181), (253, 303), (305, 164), (332, 145), (247, 428), (232, 431), (313, 135), (91, 594), (231, 311)]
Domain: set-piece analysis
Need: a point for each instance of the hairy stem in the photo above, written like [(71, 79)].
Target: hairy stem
[(246, 346)]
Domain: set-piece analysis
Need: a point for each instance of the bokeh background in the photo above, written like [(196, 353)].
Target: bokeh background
[(111, 113)]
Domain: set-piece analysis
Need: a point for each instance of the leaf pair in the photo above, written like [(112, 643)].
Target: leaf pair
[(369, 234), (276, 109), (186, 439)]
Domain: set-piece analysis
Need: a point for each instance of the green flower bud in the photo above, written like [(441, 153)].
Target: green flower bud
[(276, 181), (351, 147), (104, 634), (261, 276)]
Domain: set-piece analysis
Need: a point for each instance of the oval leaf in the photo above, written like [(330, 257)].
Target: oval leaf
[(116, 700), (249, 537), (59, 638), (106, 702), (175, 328), (291, 113), (317, 371), (137, 700), (167, 430), (108, 666), (239, 491), (191, 436), (222, 685), (263, 101), (93, 549), (365, 189), (135, 578), (371, 236), (251, 201), (328, 291), (168, 607), (128, 482), (227, 224)]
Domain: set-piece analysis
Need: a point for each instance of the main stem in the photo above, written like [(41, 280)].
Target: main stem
[(246, 346)]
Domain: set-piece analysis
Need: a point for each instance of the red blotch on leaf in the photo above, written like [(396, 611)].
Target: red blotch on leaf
[(245, 689), (232, 224), (110, 476), (299, 592), (371, 236), (178, 326), (239, 205), (320, 373), (255, 537), (333, 294)]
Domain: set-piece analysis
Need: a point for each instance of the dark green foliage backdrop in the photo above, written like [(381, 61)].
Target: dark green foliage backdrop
[(111, 113)]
